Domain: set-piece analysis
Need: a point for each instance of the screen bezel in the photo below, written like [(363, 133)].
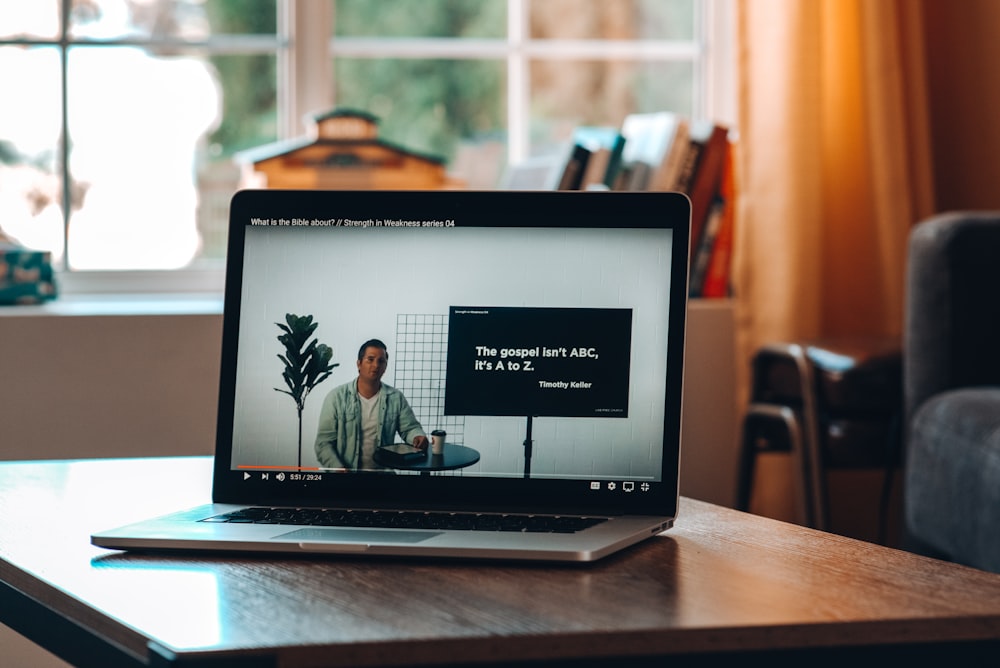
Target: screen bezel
[(495, 209)]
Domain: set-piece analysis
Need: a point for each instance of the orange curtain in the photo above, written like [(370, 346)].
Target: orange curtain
[(834, 166)]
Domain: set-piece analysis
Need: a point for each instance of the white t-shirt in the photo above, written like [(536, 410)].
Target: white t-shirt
[(369, 430)]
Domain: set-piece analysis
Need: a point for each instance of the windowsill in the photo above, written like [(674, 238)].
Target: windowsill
[(195, 303), (116, 293), (121, 305)]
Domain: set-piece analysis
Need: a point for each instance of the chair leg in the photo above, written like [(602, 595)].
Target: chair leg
[(810, 466), (771, 428)]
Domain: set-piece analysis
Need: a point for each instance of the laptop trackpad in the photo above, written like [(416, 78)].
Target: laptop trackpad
[(357, 536)]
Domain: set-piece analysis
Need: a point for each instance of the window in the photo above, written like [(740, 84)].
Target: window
[(119, 153)]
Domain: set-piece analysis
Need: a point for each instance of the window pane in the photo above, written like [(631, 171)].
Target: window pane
[(114, 19), (190, 19), (441, 107), (567, 94), (152, 152), (613, 19), (154, 130), (427, 18), (37, 18), (30, 182), (242, 17), (249, 119), (137, 125)]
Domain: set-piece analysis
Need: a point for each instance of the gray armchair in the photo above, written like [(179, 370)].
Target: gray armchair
[(951, 371)]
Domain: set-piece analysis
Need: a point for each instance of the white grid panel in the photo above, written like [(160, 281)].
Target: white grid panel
[(421, 357)]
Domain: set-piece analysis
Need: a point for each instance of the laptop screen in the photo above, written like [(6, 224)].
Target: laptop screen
[(529, 344)]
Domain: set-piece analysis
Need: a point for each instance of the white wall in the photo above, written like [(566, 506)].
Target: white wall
[(107, 384)]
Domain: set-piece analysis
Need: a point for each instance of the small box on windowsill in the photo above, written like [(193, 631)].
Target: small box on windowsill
[(26, 276)]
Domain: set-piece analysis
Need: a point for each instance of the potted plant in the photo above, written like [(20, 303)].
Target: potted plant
[(306, 365)]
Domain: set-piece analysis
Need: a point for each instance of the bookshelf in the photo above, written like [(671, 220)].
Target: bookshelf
[(657, 151)]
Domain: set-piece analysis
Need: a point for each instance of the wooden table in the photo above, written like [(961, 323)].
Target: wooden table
[(719, 582)]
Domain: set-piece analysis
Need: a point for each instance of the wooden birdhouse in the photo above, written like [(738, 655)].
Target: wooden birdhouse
[(343, 152)]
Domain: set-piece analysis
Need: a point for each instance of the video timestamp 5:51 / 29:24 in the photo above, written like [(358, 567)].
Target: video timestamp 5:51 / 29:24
[(305, 476)]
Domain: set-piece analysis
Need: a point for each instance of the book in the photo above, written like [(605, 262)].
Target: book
[(401, 454), (596, 170), (717, 278), (702, 252), (712, 141), (573, 170), (716, 283), (648, 140), (623, 177), (666, 174), (687, 163), (606, 145), (614, 160), (639, 174)]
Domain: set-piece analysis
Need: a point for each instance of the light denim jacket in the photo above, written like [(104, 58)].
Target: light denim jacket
[(338, 438)]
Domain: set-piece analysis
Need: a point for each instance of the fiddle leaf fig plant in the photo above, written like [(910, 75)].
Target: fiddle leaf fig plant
[(306, 364)]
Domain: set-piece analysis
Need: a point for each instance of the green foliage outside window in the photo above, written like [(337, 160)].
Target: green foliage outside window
[(249, 101), (423, 18), (428, 105)]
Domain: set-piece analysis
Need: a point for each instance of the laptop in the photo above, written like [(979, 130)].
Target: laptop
[(448, 374)]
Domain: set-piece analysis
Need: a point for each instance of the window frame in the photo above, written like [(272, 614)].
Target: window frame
[(306, 48)]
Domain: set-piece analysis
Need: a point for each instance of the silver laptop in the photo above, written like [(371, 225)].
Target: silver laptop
[(448, 374)]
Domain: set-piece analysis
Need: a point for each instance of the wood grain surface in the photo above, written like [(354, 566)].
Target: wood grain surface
[(719, 581)]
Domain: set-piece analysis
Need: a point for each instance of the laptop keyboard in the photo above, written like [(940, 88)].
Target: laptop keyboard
[(409, 520)]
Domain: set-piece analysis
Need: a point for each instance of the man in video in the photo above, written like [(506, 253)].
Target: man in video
[(365, 414)]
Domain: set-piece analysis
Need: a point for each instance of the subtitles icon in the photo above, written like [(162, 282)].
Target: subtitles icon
[(595, 485)]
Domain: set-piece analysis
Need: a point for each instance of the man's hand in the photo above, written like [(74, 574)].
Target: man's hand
[(420, 442)]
